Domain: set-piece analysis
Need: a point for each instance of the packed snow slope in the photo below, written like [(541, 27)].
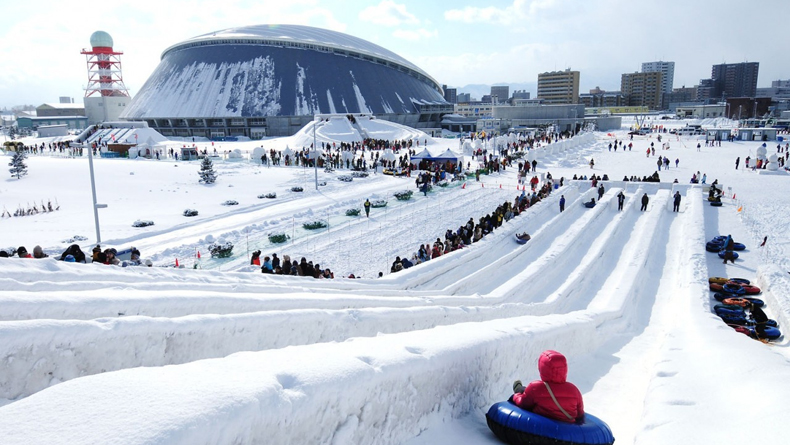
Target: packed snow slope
[(224, 354)]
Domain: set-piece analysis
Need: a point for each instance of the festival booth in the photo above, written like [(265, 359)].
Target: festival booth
[(424, 160)]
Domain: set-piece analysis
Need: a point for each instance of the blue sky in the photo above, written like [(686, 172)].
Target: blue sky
[(457, 42)]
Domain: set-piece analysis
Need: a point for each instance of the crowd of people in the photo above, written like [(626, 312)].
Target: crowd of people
[(302, 268), (472, 231), (74, 254)]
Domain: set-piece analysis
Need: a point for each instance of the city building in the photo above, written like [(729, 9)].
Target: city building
[(60, 109), (270, 80), (477, 109), (559, 87), (730, 80), (642, 89), (520, 94), (600, 98), (71, 122), (65, 100), (700, 111), (667, 69), (464, 98), (450, 94), (748, 107), (500, 94)]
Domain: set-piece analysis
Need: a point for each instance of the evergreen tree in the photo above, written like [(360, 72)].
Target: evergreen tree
[(207, 173), (18, 167)]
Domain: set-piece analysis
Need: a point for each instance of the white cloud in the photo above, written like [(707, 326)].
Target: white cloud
[(414, 34), (388, 13), (520, 10)]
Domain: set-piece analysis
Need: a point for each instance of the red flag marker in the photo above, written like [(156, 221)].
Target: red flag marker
[(198, 255), (176, 262)]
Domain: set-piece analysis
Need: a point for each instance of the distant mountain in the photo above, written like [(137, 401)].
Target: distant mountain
[(478, 90)]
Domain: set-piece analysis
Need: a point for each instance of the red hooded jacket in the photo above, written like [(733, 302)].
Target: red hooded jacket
[(553, 369)]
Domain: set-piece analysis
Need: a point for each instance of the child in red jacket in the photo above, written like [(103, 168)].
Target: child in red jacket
[(551, 396)]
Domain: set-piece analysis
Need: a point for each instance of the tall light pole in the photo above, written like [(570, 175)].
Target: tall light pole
[(96, 206), (315, 151)]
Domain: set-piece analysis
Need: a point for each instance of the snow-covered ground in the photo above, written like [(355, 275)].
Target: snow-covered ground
[(224, 354)]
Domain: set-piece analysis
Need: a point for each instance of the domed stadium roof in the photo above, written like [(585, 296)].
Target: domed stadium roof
[(298, 36), (101, 39), (281, 70)]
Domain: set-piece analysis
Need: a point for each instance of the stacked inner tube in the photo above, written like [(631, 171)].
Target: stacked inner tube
[(521, 427), (734, 297), (717, 244)]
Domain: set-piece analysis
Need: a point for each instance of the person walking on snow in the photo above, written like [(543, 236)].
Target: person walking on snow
[(645, 200), (620, 200), (677, 162), (601, 191), (737, 161), (367, 208), (562, 203), (676, 202), (592, 163)]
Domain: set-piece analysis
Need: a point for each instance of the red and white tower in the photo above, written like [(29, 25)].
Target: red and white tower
[(106, 95)]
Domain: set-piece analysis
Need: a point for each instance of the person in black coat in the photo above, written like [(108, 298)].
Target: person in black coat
[(676, 202), (620, 200), (645, 200), (760, 320), (601, 191), (75, 251)]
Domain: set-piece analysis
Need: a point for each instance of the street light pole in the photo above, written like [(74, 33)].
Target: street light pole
[(96, 206), (315, 152)]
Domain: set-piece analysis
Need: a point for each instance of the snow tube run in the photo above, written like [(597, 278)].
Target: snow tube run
[(734, 254), (517, 426)]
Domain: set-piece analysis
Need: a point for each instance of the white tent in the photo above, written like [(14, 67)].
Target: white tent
[(422, 155)]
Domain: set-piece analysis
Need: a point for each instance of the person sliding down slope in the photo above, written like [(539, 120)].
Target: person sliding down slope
[(551, 396)]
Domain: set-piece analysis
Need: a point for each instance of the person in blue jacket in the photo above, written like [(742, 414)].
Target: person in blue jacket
[(562, 203)]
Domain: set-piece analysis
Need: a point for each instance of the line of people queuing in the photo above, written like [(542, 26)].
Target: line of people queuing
[(472, 231), (302, 268)]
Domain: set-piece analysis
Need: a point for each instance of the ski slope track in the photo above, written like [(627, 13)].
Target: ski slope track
[(228, 356)]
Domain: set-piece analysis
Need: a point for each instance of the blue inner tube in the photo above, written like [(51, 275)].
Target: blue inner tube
[(517, 426), (743, 321), (520, 241), (770, 332), (741, 281), (722, 312), (713, 246), (755, 301), (733, 289), (734, 254), (739, 246)]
